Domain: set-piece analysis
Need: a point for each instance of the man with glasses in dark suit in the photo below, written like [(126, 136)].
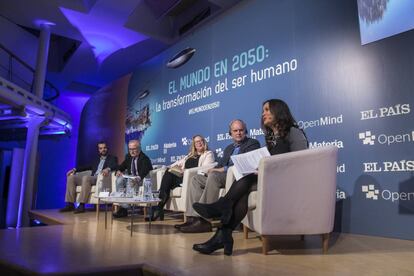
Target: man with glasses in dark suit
[(136, 164)]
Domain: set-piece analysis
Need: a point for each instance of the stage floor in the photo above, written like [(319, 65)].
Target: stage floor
[(82, 244)]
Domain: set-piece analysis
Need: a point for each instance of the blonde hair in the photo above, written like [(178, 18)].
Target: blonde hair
[(193, 150)]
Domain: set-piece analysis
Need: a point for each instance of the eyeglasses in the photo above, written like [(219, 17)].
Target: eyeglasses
[(133, 149), (237, 130)]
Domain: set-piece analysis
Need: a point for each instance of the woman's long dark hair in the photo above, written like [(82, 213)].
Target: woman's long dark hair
[(284, 119)]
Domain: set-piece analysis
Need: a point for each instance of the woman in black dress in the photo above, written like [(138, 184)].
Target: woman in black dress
[(282, 135)]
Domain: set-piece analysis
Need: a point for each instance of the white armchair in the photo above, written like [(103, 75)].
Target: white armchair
[(110, 183), (178, 195), (296, 194)]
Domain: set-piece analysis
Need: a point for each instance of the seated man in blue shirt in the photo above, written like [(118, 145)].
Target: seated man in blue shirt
[(206, 188)]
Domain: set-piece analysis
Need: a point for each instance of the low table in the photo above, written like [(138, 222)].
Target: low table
[(132, 201)]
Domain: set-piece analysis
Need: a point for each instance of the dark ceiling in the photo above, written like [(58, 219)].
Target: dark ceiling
[(96, 41)]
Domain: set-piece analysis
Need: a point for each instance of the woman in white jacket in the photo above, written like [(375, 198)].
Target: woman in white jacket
[(199, 156)]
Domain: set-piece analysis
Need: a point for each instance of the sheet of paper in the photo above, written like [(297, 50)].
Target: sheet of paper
[(130, 176), (247, 163)]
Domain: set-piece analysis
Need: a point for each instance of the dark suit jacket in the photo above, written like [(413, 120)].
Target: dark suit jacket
[(110, 162), (248, 144), (144, 165)]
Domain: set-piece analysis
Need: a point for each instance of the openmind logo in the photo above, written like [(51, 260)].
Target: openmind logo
[(186, 141), (219, 153), (395, 110), (368, 138), (322, 121), (370, 191)]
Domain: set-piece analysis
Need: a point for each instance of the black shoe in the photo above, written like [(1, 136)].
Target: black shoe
[(80, 209), (122, 212), (222, 209), (199, 225), (221, 239), (189, 220), (68, 208), (157, 213)]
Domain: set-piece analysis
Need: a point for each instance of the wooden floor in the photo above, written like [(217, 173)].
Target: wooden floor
[(83, 245)]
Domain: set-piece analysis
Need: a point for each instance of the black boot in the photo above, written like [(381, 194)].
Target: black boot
[(80, 209), (199, 225), (157, 213), (122, 212), (68, 207), (221, 239), (189, 220), (222, 209)]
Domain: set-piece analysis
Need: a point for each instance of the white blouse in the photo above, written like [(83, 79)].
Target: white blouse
[(205, 159)]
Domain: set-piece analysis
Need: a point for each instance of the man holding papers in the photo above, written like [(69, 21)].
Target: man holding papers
[(205, 188), (282, 135)]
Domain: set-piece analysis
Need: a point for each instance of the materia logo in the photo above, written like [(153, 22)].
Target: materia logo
[(367, 138), (370, 191)]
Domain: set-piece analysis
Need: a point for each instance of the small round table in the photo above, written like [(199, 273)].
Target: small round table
[(132, 201)]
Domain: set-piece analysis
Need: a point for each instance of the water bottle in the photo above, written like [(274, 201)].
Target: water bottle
[(100, 186), (129, 190), (147, 183)]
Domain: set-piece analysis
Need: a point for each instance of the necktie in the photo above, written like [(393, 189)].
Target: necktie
[(133, 168)]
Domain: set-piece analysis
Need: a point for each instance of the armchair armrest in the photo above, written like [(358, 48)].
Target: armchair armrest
[(84, 173), (154, 177), (301, 186), (100, 179), (229, 178), (207, 167), (160, 173)]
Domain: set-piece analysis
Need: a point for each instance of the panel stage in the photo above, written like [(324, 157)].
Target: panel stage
[(80, 244)]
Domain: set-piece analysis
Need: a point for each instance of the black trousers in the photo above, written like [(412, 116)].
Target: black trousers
[(169, 182), (239, 194)]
